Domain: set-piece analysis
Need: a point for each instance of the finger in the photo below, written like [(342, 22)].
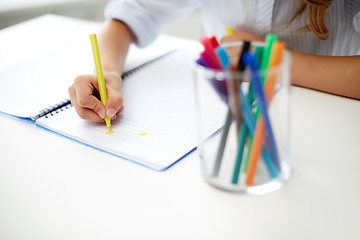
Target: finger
[(84, 99), (84, 113), (247, 36), (118, 113), (242, 36), (229, 38), (85, 95), (114, 104)]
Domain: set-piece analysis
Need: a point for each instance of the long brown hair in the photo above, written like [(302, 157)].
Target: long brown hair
[(316, 17)]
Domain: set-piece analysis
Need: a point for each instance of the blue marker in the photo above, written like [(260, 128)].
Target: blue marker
[(223, 57)]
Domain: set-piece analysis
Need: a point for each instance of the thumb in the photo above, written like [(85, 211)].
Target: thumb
[(95, 104), (114, 104)]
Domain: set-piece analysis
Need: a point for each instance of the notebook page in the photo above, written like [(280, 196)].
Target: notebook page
[(158, 124)]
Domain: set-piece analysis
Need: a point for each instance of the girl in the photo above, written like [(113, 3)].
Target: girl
[(322, 35)]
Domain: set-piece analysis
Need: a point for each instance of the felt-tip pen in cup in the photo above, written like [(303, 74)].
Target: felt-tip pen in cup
[(100, 76)]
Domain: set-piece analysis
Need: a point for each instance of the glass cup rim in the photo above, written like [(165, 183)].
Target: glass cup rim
[(224, 74)]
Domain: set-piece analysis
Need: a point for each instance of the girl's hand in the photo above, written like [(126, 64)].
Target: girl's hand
[(85, 97), (242, 36), (234, 52)]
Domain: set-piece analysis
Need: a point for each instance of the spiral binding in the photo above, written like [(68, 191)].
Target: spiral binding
[(54, 108), (135, 70)]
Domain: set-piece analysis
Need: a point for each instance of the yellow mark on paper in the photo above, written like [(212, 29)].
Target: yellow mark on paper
[(143, 134)]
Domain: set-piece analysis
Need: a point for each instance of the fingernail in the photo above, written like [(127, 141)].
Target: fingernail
[(101, 114), (111, 113)]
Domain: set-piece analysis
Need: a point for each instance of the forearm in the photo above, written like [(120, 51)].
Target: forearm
[(114, 42), (336, 75)]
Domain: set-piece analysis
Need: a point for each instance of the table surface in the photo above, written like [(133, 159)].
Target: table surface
[(54, 188)]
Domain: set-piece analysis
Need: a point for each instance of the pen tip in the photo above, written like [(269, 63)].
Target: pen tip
[(108, 124)]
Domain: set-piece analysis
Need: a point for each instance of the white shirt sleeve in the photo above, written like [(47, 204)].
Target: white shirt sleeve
[(352, 9), (146, 18)]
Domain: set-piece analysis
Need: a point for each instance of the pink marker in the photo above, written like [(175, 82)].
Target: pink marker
[(209, 45)]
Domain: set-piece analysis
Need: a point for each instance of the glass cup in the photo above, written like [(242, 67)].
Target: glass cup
[(244, 130)]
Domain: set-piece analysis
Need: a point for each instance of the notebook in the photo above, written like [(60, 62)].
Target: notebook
[(158, 125)]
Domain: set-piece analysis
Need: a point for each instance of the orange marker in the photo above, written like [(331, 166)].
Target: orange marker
[(276, 57), (255, 152)]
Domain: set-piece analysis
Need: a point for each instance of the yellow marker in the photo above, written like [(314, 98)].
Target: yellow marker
[(229, 31), (143, 134), (100, 76)]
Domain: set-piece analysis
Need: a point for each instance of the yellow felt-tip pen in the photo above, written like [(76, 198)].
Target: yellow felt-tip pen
[(100, 76)]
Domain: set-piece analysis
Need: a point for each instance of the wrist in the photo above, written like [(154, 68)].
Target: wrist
[(113, 70)]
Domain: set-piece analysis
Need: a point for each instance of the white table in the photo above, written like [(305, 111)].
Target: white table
[(54, 188)]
